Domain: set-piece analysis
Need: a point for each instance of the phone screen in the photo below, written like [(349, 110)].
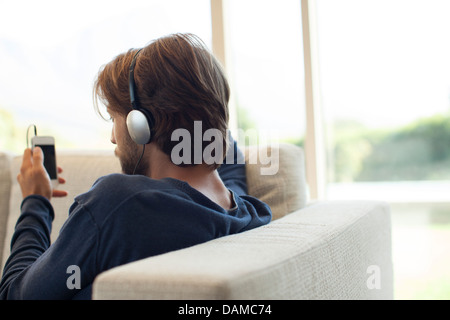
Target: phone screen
[(49, 160)]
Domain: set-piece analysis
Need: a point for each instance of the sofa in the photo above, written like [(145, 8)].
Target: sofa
[(310, 250)]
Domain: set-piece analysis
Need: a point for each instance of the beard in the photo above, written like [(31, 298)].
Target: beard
[(131, 158)]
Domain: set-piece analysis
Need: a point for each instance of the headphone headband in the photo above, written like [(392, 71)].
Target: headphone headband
[(131, 83), (140, 120)]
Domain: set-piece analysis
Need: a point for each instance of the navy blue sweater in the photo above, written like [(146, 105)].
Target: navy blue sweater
[(121, 219)]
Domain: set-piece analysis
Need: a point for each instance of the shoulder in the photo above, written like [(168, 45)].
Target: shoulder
[(111, 187), (126, 184), (111, 192)]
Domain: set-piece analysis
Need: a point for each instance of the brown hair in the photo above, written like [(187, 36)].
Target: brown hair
[(178, 80)]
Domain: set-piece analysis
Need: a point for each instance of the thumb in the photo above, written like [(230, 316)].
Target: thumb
[(38, 155)]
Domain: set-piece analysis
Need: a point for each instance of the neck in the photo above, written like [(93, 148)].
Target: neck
[(200, 177)]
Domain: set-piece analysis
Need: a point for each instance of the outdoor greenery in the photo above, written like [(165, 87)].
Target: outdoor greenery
[(418, 151)]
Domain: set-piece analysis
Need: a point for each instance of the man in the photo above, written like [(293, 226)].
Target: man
[(155, 206)]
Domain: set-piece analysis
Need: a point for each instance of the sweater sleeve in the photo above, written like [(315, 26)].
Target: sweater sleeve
[(232, 171), (37, 269)]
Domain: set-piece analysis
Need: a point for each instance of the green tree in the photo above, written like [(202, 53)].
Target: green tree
[(418, 151)]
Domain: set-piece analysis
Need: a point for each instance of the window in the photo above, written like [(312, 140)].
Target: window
[(384, 77), (51, 51), (266, 69)]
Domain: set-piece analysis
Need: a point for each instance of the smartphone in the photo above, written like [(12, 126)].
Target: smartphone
[(47, 144)]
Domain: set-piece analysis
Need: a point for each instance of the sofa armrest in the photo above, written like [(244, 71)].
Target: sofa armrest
[(324, 251)]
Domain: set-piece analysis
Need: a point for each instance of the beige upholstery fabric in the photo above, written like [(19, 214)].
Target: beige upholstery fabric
[(320, 252), (283, 184)]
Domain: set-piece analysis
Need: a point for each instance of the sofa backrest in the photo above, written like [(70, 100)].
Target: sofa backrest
[(282, 185)]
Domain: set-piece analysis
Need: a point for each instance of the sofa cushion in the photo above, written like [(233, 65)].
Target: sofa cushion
[(276, 176)]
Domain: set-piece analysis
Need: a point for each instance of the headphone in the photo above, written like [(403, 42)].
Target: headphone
[(140, 121)]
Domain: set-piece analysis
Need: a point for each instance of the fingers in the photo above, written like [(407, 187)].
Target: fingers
[(59, 193), (30, 157), (60, 180), (26, 160), (34, 179), (38, 155)]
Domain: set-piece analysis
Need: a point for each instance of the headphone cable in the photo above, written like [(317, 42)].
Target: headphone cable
[(140, 158), (28, 132)]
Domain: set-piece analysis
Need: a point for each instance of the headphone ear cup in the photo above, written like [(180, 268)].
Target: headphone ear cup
[(138, 127)]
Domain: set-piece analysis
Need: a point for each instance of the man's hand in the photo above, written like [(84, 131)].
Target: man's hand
[(34, 179)]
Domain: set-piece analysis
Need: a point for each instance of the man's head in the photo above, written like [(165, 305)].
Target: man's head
[(178, 80)]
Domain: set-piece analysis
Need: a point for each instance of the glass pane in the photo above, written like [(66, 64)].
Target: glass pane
[(384, 73), (265, 39), (386, 89), (51, 51)]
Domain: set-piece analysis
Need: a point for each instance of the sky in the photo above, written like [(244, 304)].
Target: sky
[(51, 51), (384, 62), (37, 21)]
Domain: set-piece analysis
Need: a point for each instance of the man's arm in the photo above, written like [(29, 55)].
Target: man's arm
[(232, 171), (30, 239), (38, 270)]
